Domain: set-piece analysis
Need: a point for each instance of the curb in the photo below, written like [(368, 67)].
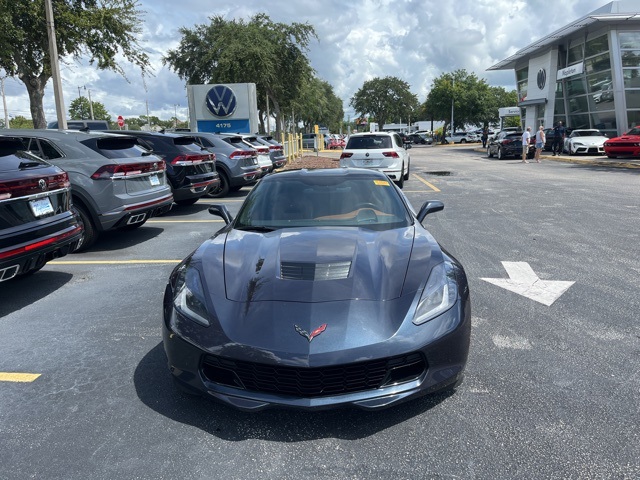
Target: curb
[(585, 161)]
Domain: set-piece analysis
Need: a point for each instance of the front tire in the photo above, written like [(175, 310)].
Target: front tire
[(500, 154), (489, 154), (406, 175)]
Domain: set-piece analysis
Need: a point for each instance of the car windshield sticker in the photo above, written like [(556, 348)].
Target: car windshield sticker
[(382, 183)]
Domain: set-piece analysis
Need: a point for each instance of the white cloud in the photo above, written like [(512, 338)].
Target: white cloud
[(415, 40)]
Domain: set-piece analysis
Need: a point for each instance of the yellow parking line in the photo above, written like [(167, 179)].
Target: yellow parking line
[(431, 186), (18, 377), (110, 262)]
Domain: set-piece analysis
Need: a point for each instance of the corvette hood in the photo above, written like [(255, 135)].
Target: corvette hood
[(316, 265)]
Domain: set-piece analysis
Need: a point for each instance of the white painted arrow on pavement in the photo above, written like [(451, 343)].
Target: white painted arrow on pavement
[(523, 281)]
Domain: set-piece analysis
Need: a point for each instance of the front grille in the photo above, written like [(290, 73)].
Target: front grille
[(313, 382), (314, 271)]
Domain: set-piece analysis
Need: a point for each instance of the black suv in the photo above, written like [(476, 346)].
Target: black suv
[(36, 223), (509, 144), (191, 169)]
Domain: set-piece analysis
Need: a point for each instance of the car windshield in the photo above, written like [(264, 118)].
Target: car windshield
[(369, 142), (283, 201), (587, 133), (633, 131)]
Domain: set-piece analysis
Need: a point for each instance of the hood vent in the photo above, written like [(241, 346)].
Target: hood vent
[(314, 271)]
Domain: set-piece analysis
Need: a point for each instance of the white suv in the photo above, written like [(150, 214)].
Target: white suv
[(382, 151)]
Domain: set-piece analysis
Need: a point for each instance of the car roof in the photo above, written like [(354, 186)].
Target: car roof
[(362, 134)]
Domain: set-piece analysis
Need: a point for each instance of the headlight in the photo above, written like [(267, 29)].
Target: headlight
[(189, 299), (439, 294)]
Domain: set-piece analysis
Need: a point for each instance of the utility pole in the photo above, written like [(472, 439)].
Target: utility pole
[(453, 84), (4, 104), (80, 103), (55, 68), (90, 103), (175, 116), (268, 132)]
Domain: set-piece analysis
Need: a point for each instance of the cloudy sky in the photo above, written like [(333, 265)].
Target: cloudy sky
[(415, 40)]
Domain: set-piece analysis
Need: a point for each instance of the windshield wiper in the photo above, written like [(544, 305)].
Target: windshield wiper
[(256, 228)]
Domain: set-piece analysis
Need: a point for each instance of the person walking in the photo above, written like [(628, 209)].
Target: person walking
[(485, 136), (526, 138), (558, 139), (540, 139)]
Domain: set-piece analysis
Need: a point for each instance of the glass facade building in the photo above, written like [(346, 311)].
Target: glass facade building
[(586, 74)]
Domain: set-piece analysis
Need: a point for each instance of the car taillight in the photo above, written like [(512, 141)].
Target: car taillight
[(346, 155), (275, 148), (390, 154), (187, 160), (506, 141), (32, 186), (107, 172), (262, 150)]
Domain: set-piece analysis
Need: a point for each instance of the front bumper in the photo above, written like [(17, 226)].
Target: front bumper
[(444, 362)]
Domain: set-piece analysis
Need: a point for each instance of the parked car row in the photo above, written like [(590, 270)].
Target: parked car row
[(59, 190)]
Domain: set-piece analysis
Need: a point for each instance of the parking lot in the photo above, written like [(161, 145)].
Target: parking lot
[(552, 388)]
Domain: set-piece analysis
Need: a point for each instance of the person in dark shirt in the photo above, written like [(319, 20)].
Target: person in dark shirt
[(558, 139)]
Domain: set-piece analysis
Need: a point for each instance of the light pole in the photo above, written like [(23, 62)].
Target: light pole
[(175, 116), (55, 68), (4, 104), (80, 104), (90, 103)]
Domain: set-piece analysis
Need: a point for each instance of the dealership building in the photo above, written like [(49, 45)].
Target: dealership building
[(586, 74)]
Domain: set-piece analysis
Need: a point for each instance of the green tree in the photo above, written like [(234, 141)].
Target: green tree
[(20, 122), (271, 55), (317, 104), (97, 28), (385, 99), (474, 101), (79, 109)]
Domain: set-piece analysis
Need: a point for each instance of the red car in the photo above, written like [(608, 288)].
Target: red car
[(336, 143), (627, 145)]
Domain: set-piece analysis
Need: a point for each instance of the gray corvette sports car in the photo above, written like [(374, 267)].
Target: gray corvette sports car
[(324, 291)]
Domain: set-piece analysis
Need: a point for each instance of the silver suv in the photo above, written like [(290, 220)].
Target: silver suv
[(115, 184), (236, 166)]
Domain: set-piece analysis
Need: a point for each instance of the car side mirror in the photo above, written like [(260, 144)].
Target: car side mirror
[(221, 211), (430, 206)]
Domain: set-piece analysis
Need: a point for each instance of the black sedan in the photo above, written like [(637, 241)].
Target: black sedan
[(36, 222), (191, 168), (509, 144), (324, 291)]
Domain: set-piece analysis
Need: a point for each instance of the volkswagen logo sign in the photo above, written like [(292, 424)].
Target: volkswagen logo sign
[(542, 78), (221, 101), (42, 184)]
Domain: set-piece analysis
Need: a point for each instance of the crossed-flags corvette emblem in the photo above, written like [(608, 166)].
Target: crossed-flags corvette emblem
[(312, 335)]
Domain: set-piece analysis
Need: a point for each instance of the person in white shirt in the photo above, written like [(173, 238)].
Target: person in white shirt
[(540, 139), (526, 138)]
